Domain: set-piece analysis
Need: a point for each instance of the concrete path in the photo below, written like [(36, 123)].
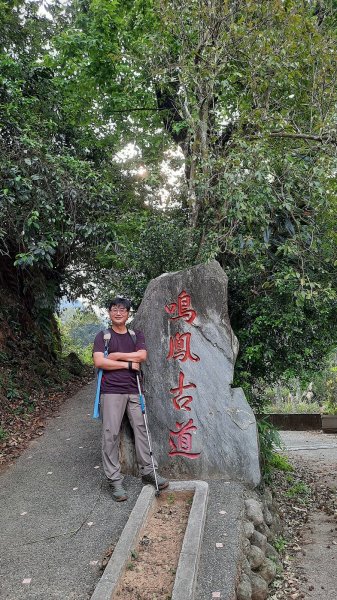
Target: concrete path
[(317, 565), (57, 516), (217, 574), (313, 445)]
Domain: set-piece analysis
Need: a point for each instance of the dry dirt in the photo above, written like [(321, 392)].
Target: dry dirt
[(22, 423), (150, 572)]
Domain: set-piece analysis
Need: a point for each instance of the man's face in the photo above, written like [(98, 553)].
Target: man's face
[(118, 314)]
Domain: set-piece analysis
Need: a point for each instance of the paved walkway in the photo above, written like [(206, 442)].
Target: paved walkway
[(57, 516), (311, 445), (317, 565)]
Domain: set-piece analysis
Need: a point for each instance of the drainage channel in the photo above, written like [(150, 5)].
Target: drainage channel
[(185, 580)]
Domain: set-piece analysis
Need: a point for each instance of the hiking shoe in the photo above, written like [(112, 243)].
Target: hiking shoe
[(118, 493), (162, 482)]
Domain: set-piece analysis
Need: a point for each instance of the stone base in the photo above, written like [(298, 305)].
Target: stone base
[(329, 423), (184, 585)]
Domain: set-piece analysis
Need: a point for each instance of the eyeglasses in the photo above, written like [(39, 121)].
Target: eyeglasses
[(118, 309)]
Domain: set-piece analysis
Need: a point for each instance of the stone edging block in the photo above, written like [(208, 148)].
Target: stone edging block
[(185, 581)]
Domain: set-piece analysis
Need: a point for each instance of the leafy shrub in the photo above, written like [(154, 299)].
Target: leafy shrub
[(269, 440)]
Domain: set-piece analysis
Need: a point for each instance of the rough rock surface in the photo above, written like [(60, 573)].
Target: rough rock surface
[(259, 540), (254, 511), (268, 570), (255, 557), (259, 588), (259, 559), (207, 429), (244, 591), (271, 552), (248, 529)]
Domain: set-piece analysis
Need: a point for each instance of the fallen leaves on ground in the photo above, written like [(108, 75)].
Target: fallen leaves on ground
[(23, 420), (299, 495)]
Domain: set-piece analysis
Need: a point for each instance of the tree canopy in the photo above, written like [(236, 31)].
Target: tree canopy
[(240, 96)]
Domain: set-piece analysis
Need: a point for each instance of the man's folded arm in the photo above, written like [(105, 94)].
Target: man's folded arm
[(139, 356), (108, 364)]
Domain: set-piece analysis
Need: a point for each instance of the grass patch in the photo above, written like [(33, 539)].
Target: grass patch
[(299, 491), (281, 463), (3, 434), (280, 543)]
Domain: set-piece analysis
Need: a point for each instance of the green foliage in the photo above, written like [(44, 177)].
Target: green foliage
[(280, 463), (280, 544), (81, 325), (239, 89), (56, 195), (171, 498), (248, 92), (145, 246), (299, 491), (78, 329), (290, 396), (325, 385), (312, 392), (3, 434), (269, 440), (131, 564)]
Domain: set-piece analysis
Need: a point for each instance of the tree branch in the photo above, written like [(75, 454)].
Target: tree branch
[(128, 110), (300, 136)]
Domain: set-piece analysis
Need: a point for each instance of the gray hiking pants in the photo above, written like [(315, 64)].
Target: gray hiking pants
[(113, 407)]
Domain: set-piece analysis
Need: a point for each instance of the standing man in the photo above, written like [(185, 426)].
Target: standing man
[(119, 392)]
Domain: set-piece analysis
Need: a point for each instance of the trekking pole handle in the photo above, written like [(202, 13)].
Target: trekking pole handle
[(141, 397)]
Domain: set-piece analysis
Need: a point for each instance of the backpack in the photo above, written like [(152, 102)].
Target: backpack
[(106, 338)]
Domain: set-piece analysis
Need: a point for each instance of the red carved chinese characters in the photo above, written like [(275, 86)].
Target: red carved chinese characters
[(181, 402), (180, 347), (181, 440), (183, 308)]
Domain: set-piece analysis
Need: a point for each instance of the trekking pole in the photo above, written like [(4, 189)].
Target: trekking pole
[(143, 409), (98, 394), (96, 413)]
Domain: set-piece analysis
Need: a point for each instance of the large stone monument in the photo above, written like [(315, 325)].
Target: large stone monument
[(200, 426)]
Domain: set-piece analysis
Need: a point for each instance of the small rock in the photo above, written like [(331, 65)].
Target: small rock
[(263, 528), (255, 557), (248, 529), (245, 567), (267, 516), (268, 497), (259, 540), (254, 511), (268, 570), (244, 590), (271, 552), (259, 587), (276, 526)]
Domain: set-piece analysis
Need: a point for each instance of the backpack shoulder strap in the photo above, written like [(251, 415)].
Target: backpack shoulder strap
[(106, 338), (133, 335)]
